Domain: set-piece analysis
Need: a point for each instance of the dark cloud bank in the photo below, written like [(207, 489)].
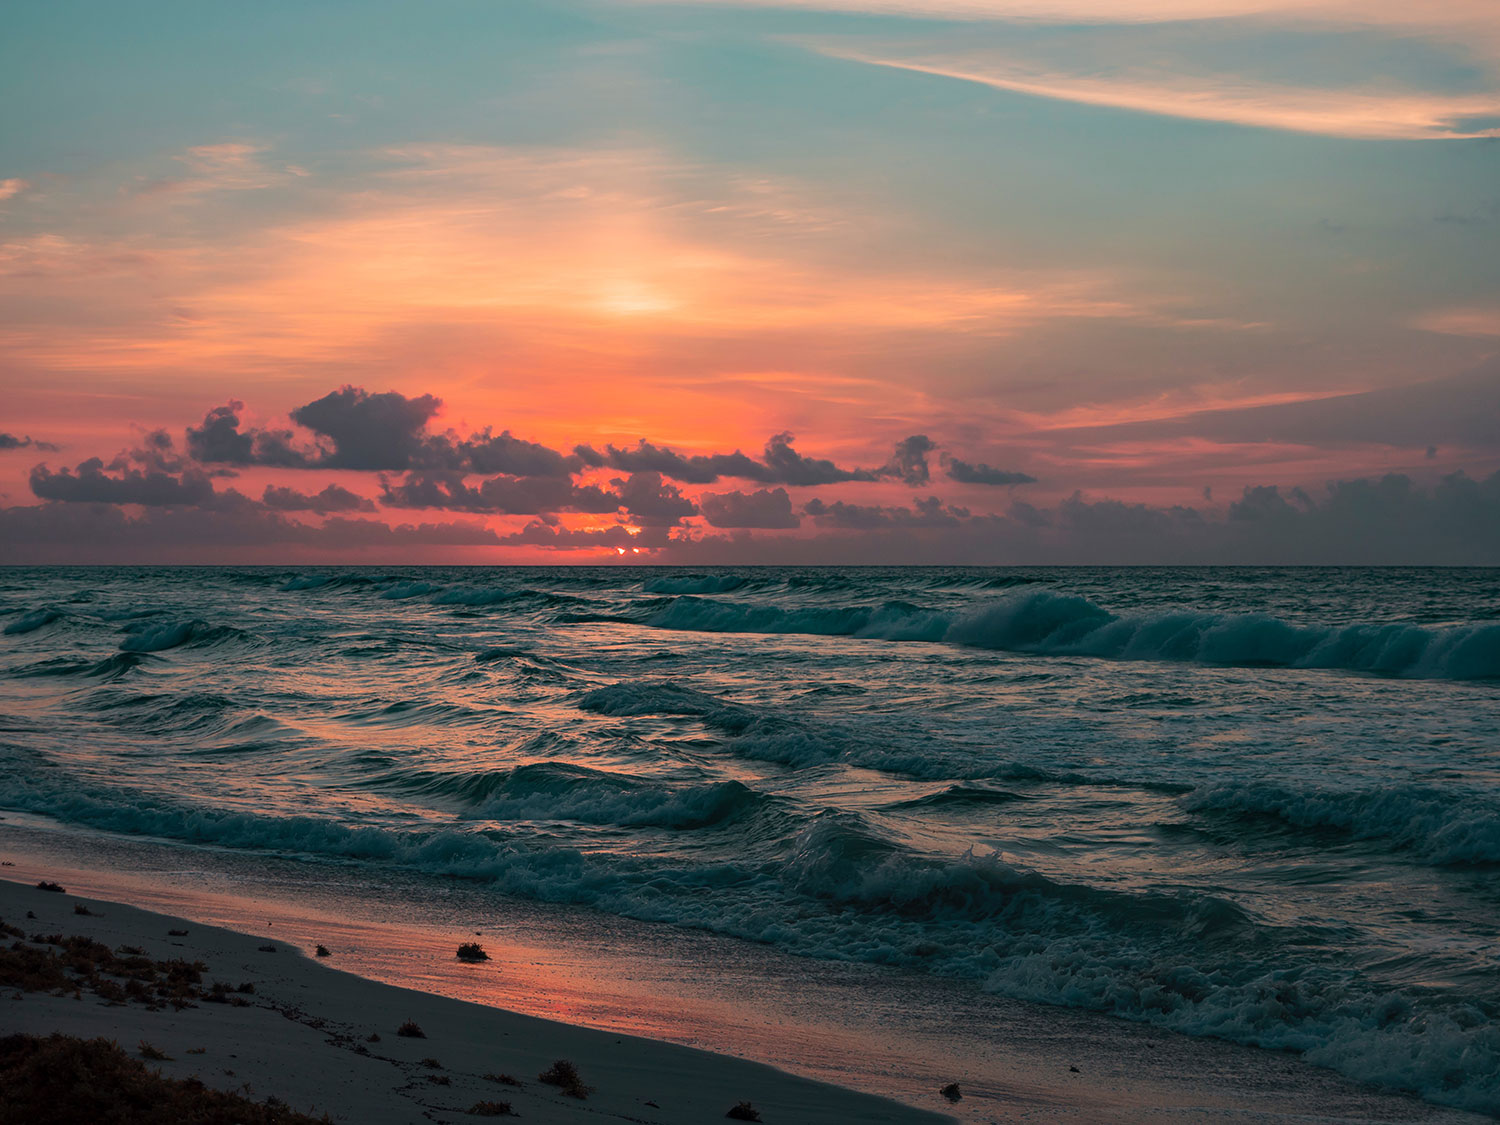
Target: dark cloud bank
[(156, 503)]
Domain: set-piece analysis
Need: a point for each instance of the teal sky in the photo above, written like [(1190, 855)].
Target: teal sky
[(1152, 252)]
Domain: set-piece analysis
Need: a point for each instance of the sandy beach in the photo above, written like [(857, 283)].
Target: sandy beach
[(307, 1035), (304, 1036)]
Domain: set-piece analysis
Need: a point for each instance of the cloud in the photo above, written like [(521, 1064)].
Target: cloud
[(219, 441), (90, 484), (787, 466), (764, 508), (508, 495), (780, 464), (1476, 320), (909, 460), (1450, 17), (333, 498), (1462, 410), (979, 473), (64, 532), (1388, 520), (554, 537), (695, 469), (486, 453), (11, 441), (355, 429), (1363, 114), (649, 501), (370, 431), (864, 517)]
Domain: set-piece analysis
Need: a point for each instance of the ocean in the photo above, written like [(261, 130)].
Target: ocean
[(1256, 804)]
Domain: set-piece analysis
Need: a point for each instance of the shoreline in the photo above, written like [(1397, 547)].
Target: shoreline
[(303, 1036), (853, 1027)]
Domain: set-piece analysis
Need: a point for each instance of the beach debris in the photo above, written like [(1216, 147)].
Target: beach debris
[(440, 1079), (55, 888), (489, 1109), (197, 1050), (177, 933), (1075, 1070), (247, 987), (266, 949), (31, 914), (564, 1075), (411, 1030), (374, 1037), (952, 1092), (322, 951), (653, 1105), (743, 1111), (130, 950), (149, 1052), (472, 951)]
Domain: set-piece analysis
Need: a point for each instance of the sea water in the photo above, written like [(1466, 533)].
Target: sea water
[(1256, 804)]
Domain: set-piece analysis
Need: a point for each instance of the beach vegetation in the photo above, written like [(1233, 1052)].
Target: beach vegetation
[(503, 1079), (61, 1080), (440, 1079), (472, 951), (564, 1075), (743, 1111), (56, 888), (153, 1053), (74, 964), (432, 1064), (323, 951), (952, 1092), (374, 1037), (489, 1109), (82, 910), (221, 993), (411, 1029), (177, 933)]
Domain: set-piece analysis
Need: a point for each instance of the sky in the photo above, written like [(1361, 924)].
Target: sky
[(750, 281)]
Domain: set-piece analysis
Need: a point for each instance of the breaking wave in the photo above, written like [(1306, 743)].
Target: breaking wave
[(1442, 826), (1189, 961), (1053, 624), (31, 622)]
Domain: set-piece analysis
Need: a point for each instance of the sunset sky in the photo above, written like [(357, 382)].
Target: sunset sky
[(976, 281)]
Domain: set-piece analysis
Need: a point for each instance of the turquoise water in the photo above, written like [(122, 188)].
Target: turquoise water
[(1256, 804)]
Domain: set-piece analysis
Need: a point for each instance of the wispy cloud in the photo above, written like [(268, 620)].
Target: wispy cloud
[(630, 247), (1369, 114), (1477, 320), (1438, 18)]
